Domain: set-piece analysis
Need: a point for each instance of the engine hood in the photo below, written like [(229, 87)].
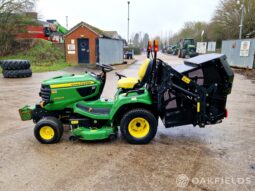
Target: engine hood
[(191, 46), (71, 80)]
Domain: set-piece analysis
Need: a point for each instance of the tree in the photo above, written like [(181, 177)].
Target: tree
[(227, 18), (145, 40), (136, 39), (224, 24), (193, 30), (190, 30), (214, 33), (13, 18)]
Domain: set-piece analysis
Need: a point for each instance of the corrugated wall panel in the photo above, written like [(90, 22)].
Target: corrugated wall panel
[(110, 51), (231, 48)]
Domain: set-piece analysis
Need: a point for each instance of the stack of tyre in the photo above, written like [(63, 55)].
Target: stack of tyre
[(16, 68)]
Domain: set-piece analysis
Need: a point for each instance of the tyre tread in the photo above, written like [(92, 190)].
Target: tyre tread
[(17, 73), (135, 112), (52, 121), (15, 64)]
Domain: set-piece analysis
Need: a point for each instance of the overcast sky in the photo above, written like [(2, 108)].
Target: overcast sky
[(155, 17)]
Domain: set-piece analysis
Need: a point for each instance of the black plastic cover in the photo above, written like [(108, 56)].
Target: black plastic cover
[(209, 71)]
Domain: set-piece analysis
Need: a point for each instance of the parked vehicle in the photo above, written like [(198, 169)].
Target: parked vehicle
[(43, 32), (164, 49), (128, 55), (192, 93), (187, 48), (172, 50)]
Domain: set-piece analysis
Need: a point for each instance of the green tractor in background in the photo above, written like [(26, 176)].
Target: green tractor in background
[(193, 93), (187, 48)]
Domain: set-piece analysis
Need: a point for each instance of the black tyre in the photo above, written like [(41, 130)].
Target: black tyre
[(179, 53), (48, 130), (15, 64), (183, 54), (138, 126), (17, 73)]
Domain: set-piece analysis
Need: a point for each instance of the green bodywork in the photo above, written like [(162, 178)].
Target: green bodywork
[(114, 105), (60, 28), (64, 94), (65, 97), (187, 47), (26, 112), (191, 46), (85, 133), (93, 134)]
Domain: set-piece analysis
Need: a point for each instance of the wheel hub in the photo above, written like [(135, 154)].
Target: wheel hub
[(47, 132), (138, 127)]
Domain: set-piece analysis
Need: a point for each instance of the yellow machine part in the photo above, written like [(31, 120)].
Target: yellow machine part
[(139, 127), (127, 83), (47, 133), (142, 69)]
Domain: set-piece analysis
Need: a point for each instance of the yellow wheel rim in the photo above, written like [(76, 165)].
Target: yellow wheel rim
[(138, 127), (47, 132)]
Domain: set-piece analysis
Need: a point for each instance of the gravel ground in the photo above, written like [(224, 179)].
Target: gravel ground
[(219, 157), (249, 73)]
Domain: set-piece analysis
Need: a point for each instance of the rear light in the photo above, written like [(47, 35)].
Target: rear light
[(155, 44), (149, 46), (226, 113)]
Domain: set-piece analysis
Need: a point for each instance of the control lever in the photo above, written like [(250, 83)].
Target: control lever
[(120, 75)]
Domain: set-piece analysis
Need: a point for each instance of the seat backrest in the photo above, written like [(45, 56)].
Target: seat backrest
[(142, 70)]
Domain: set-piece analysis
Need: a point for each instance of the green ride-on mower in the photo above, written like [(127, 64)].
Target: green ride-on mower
[(191, 93)]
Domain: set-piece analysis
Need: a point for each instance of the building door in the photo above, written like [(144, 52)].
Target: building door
[(83, 50)]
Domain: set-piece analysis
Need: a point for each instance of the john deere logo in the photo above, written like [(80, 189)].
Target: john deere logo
[(66, 85), (58, 98)]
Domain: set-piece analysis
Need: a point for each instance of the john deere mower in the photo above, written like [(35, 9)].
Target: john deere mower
[(194, 92)]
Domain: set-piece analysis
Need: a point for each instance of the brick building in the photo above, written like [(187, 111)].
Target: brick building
[(86, 44)]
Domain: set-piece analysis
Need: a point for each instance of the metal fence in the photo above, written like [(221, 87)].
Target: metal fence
[(240, 53), (110, 51)]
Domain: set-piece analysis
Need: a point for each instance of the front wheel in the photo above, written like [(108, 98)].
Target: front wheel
[(48, 130), (138, 126)]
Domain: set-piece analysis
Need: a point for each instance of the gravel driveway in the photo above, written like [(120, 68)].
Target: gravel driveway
[(219, 157)]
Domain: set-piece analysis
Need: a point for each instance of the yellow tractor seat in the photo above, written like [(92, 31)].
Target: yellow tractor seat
[(129, 83)]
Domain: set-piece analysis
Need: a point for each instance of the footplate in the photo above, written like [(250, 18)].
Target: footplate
[(84, 133)]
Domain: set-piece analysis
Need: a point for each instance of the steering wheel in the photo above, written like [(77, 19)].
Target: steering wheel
[(106, 68)]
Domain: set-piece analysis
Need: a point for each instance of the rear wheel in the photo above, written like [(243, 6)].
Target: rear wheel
[(179, 53), (183, 54), (138, 126), (48, 130)]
